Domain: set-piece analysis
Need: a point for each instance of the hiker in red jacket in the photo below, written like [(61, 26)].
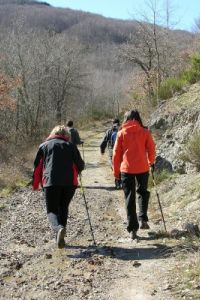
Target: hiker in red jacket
[(133, 155), (56, 168)]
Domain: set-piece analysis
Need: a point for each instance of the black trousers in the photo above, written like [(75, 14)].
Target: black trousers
[(132, 183), (58, 199)]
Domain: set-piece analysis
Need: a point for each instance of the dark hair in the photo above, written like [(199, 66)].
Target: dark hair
[(70, 123), (133, 115), (116, 121)]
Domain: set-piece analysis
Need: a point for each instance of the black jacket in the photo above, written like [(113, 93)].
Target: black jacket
[(57, 163), (107, 140), (75, 138)]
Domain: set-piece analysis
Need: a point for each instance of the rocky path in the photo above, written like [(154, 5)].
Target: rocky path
[(31, 267)]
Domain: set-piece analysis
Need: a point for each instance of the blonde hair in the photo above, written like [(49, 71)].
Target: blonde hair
[(60, 130)]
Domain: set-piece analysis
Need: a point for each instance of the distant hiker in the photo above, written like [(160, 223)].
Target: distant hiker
[(56, 168), (75, 138), (109, 141), (133, 155)]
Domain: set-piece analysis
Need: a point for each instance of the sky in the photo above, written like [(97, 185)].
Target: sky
[(183, 15)]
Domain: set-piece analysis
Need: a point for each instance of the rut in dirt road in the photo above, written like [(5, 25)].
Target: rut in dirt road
[(118, 268)]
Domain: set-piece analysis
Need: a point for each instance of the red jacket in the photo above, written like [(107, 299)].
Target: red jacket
[(57, 163), (134, 149)]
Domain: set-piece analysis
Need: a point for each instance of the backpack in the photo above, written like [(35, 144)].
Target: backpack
[(113, 137)]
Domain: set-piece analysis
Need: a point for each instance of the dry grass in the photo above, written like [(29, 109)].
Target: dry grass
[(10, 178), (186, 284), (182, 246), (16, 172)]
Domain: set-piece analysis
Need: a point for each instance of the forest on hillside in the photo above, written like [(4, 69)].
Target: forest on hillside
[(58, 63)]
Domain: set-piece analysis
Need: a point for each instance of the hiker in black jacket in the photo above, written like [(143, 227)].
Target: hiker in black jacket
[(109, 141), (56, 167), (75, 137)]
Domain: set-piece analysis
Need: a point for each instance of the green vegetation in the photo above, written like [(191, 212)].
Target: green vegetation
[(170, 86), (191, 152), (187, 279), (196, 187), (13, 176), (194, 271), (97, 115), (173, 85), (161, 176), (2, 207), (11, 185), (193, 74)]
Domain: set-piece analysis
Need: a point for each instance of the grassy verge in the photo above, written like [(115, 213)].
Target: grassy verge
[(187, 275), (12, 179), (160, 177), (16, 173)]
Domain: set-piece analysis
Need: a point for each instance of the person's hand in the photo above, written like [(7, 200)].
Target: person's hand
[(152, 168)]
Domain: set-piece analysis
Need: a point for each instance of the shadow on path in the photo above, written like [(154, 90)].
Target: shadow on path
[(107, 188), (144, 253)]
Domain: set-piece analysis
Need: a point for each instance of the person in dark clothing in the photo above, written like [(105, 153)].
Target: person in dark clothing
[(133, 155), (56, 167), (109, 141), (75, 137)]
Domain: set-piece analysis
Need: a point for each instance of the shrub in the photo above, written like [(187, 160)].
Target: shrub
[(191, 151), (97, 114), (160, 177), (196, 62), (170, 86), (193, 74)]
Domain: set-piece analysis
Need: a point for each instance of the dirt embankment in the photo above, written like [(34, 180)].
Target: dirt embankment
[(117, 268)]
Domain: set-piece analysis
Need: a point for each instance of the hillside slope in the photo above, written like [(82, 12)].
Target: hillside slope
[(174, 123), (118, 268), (87, 27)]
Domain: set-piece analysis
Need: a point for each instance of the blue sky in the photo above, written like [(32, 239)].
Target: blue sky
[(184, 11)]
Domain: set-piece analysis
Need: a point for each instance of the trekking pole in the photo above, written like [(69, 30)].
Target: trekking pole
[(83, 155), (83, 193), (83, 152), (158, 197)]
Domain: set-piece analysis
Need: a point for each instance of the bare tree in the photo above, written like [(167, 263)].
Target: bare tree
[(153, 48), (66, 74), (50, 70)]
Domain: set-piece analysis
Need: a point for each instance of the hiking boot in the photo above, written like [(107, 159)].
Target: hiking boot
[(144, 225), (60, 238), (134, 234), (118, 184)]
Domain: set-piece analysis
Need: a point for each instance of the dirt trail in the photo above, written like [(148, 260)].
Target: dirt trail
[(142, 264), (118, 268)]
